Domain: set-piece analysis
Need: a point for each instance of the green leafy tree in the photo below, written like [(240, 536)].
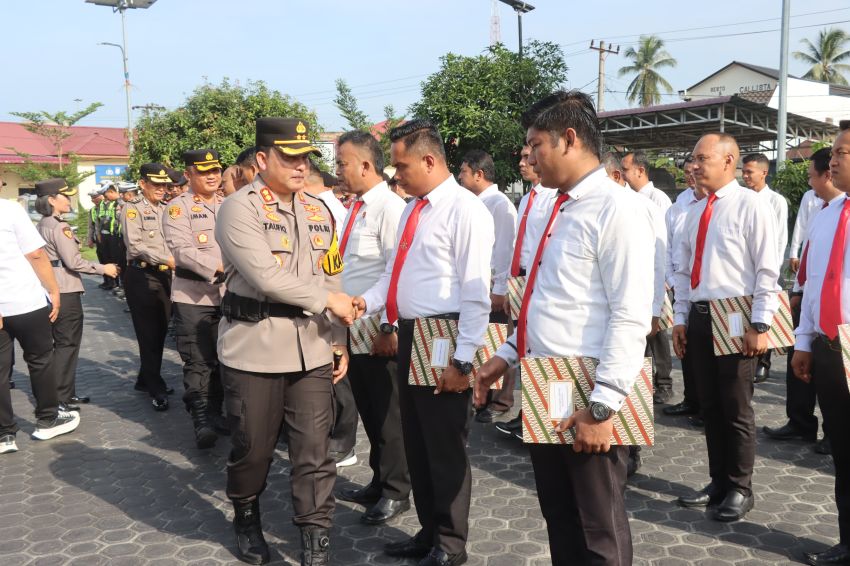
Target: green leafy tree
[(792, 181), (650, 56), (476, 102), (826, 55), (349, 109), (219, 116)]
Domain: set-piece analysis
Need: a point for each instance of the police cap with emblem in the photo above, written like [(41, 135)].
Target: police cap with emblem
[(202, 159), (177, 177), (154, 173), (289, 135), (53, 187), (127, 186)]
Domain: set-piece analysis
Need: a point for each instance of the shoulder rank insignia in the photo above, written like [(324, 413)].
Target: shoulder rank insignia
[(312, 208), (332, 262), (174, 211), (68, 232), (132, 214), (196, 198), (267, 195), (202, 238), (273, 217), (268, 208), (197, 209), (316, 218)]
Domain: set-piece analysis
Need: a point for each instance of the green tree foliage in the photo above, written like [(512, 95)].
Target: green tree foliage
[(826, 55), (792, 182), (477, 101), (650, 56), (349, 109), (33, 171), (220, 117)]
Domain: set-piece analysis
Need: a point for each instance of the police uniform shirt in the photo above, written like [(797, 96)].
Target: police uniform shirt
[(21, 290), (656, 195), (538, 216), (189, 229), (141, 222), (593, 274), (281, 253), (447, 268), (372, 238), (739, 256), (63, 245), (504, 223), (779, 209), (810, 205)]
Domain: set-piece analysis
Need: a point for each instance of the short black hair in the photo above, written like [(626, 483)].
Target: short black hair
[(844, 125), (480, 160), (821, 159), (566, 109), (419, 134), (759, 158), (689, 158), (639, 159), (366, 141), (247, 157), (43, 206)]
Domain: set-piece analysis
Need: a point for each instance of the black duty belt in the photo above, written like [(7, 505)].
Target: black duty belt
[(834, 345), (184, 273), (246, 309), (57, 263), (152, 267)]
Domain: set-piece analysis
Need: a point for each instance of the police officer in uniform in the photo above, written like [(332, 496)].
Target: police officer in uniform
[(189, 228), (63, 251), (148, 278), (278, 341), (110, 231)]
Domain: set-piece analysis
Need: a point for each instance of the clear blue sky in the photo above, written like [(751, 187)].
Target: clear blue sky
[(383, 48)]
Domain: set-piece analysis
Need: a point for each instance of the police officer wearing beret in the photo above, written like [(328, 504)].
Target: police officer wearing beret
[(63, 251), (148, 278), (189, 228), (277, 339)]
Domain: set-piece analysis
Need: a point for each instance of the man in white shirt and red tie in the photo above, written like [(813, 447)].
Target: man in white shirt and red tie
[(728, 251), (635, 167), (368, 240), (589, 269), (810, 205), (439, 269), (817, 356), (478, 175)]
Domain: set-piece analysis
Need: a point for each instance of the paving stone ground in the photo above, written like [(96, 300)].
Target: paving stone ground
[(129, 487)]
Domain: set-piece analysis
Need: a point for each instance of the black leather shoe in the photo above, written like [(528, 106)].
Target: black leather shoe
[(77, 399), (407, 548), (512, 426), (838, 554), (788, 432), (696, 421), (823, 446), (363, 495), (710, 495), (661, 396), (762, 373), (384, 510), (488, 415), (735, 505), (439, 557), (160, 403), (68, 407), (681, 409)]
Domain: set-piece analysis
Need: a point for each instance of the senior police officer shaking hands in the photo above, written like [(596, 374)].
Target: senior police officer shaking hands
[(277, 341)]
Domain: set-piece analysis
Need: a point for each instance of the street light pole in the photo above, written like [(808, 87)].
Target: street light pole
[(782, 121), (126, 88), (520, 8)]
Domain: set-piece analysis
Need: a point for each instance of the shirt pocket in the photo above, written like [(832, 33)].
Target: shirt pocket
[(366, 243), (280, 245)]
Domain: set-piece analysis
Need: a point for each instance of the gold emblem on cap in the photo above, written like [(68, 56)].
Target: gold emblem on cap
[(301, 129), (162, 171), (209, 156)]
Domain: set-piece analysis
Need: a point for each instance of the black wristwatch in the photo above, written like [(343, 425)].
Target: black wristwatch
[(760, 327), (465, 368), (388, 328), (600, 411)]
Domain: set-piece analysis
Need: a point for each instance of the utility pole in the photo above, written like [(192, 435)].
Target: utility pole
[(782, 121), (600, 87)]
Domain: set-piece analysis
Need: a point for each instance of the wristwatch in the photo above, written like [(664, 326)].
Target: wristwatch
[(465, 368), (600, 411), (387, 328), (760, 327)]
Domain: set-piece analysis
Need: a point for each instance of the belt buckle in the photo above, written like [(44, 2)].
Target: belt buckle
[(702, 309), (143, 264), (162, 267)]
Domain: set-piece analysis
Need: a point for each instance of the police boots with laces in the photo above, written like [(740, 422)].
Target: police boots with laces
[(205, 435), (251, 546), (315, 545)]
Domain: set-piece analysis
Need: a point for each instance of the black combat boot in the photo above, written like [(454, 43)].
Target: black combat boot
[(205, 436), (251, 547), (315, 546)]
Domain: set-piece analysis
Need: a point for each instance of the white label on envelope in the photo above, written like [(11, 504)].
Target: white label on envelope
[(440, 352), (736, 325), (560, 400)]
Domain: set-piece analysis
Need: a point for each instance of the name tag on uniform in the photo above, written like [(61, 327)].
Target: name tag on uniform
[(736, 325), (560, 400), (440, 352)]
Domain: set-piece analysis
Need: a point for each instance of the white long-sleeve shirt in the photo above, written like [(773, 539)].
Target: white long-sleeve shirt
[(656, 195), (372, 238), (821, 236), (504, 224), (739, 257), (810, 205), (779, 207), (337, 209), (797, 288), (592, 296), (675, 220), (447, 268), (536, 222), (660, 251)]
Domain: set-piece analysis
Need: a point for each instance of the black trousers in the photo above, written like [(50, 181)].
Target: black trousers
[(32, 331), (102, 257), (375, 386), (800, 396), (582, 497), (114, 252), (436, 428), (344, 433), (689, 386), (258, 404), (67, 335), (196, 333), (725, 385), (834, 399), (148, 296), (662, 363)]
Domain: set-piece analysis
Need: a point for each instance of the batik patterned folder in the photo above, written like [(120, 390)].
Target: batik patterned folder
[(516, 289), (844, 338), (728, 328), (362, 334)]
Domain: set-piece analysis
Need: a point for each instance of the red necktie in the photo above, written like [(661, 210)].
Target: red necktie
[(400, 255), (703, 228), (352, 216), (830, 295), (532, 276), (801, 273), (520, 235)]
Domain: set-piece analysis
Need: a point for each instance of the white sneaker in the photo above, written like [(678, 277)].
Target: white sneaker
[(62, 424), (348, 460), (7, 444)]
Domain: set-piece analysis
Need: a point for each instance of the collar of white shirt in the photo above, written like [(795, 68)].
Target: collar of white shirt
[(728, 188), (587, 183), (441, 191), (494, 188), (374, 194), (647, 188)]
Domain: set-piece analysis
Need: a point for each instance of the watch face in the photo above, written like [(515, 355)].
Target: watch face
[(599, 411)]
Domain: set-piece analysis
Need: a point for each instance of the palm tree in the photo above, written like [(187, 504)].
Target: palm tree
[(649, 57), (825, 56)]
